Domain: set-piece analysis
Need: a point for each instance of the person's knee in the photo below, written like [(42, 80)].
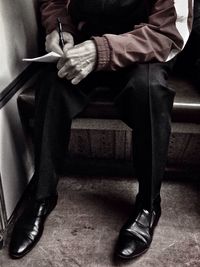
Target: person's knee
[(49, 85), (154, 83), (148, 87)]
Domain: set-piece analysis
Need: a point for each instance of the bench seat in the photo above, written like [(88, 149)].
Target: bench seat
[(186, 106)]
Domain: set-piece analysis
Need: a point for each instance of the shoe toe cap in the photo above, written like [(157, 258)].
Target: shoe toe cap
[(126, 246), (19, 245), (130, 247)]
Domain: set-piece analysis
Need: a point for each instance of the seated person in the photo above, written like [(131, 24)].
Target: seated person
[(128, 46)]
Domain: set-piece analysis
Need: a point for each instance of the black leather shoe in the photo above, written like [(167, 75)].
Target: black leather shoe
[(29, 227), (136, 235)]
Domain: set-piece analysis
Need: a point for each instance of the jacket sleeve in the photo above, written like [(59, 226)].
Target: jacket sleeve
[(51, 10), (196, 24), (159, 40)]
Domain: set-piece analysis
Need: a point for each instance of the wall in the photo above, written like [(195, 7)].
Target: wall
[(18, 32), (16, 161), (19, 39)]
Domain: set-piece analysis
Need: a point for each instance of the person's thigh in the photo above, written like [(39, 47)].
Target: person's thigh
[(123, 87), (143, 87)]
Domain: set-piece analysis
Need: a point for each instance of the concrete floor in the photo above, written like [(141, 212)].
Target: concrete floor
[(82, 229)]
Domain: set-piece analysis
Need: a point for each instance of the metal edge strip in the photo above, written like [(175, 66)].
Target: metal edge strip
[(18, 82), (3, 215)]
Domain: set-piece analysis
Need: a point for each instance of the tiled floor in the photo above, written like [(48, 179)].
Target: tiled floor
[(83, 228)]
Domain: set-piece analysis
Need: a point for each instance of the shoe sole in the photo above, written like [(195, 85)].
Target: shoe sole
[(132, 257)]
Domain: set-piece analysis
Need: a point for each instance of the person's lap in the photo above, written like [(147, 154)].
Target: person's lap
[(100, 85)]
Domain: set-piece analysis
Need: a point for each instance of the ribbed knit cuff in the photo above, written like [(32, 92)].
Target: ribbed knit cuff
[(103, 52)]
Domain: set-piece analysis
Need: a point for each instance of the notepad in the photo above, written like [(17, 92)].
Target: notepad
[(48, 58)]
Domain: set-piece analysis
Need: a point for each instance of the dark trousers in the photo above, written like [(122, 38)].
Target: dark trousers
[(144, 100)]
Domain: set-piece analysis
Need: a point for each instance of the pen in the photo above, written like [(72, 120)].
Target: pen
[(60, 32)]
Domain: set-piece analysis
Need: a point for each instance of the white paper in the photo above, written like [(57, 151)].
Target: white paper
[(50, 57)]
